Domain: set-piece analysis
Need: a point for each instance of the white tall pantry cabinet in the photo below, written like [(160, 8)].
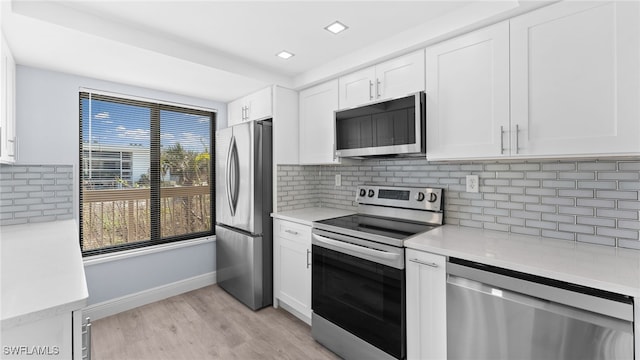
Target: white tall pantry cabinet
[(563, 80)]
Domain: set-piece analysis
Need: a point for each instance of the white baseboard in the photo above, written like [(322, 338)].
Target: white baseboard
[(128, 302)]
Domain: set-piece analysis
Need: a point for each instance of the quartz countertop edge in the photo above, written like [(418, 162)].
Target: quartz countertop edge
[(308, 215), (597, 266), (42, 272)]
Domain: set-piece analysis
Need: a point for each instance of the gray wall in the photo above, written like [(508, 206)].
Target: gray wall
[(594, 201), (47, 125)]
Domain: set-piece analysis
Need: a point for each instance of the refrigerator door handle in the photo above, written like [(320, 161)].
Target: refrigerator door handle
[(233, 177)]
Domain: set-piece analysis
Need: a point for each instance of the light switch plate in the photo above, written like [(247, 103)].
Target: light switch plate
[(338, 180), (472, 183)]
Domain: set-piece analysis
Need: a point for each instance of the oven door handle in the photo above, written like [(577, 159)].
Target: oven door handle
[(379, 254)]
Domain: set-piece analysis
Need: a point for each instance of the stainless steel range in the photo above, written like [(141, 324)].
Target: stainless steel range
[(358, 270)]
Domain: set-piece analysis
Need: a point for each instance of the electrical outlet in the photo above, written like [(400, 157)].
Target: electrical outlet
[(338, 180), (472, 183)]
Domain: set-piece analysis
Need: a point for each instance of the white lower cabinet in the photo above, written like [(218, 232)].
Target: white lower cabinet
[(56, 337), (292, 268), (426, 305)]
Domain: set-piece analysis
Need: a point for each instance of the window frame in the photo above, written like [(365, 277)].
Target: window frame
[(155, 108)]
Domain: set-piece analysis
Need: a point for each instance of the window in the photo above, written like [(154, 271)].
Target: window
[(147, 174)]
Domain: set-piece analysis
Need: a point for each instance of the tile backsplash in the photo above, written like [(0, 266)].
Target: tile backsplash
[(594, 201), (34, 193)]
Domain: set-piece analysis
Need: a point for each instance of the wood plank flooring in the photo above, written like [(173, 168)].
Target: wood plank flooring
[(204, 324)]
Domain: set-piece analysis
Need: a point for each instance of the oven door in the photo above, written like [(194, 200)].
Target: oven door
[(353, 289)]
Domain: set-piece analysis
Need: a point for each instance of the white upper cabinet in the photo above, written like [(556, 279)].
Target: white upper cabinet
[(317, 106), (467, 88), (8, 151), (563, 80), (575, 79), (391, 79), (256, 106), (357, 88)]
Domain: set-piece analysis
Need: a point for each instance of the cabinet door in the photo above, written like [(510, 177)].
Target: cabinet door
[(467, 89), (317, 123), (7, 108), (426, 305), (52, 337), (259, 105), (292, 266), (235, 112), (357, 88), (575, 79), (400, 77)]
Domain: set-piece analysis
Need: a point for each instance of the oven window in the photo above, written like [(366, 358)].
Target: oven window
[(365, 298)]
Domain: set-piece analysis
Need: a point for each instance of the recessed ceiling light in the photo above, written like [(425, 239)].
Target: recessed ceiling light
[(284, 54), (336, 27)]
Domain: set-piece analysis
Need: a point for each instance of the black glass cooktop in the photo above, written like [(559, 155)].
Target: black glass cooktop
[(392, 228)]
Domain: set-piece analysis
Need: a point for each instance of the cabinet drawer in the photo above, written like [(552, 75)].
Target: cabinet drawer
[(293, 231)]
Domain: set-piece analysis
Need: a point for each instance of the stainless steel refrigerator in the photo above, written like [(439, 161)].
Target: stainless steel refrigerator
[(243, 207)]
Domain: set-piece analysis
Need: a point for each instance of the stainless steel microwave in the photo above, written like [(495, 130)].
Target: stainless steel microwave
[(390, 128)]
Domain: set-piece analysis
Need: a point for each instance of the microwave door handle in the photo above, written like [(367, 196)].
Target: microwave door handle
[(356, 248)]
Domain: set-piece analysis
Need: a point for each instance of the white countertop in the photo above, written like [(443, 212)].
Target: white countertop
[(308, 215), (42, 273), (597, 266)]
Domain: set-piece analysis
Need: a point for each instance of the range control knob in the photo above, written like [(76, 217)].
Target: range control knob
[(363, 192), (432, 197), (371, 193), (419, 196)]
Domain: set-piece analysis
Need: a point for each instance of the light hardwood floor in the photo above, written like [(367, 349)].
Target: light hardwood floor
[(204, 324)]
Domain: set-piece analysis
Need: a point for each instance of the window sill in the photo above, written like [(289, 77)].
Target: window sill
[(103, 258)]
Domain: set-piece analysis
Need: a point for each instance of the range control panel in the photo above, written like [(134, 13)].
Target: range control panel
[(402, 197)]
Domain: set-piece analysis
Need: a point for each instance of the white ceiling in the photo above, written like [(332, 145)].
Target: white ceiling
[(221, 50)]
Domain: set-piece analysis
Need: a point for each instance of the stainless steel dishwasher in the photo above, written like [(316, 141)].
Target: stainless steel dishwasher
[(494, 313)]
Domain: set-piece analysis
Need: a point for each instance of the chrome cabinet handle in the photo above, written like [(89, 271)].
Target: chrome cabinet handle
[(430, 264), (291, 232), (501, 140), (86, 349), (378, 88), (308, 258), (370, 90), (517, 139)]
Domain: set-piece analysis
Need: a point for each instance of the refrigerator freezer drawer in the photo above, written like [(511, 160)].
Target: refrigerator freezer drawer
[(244, 266)]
